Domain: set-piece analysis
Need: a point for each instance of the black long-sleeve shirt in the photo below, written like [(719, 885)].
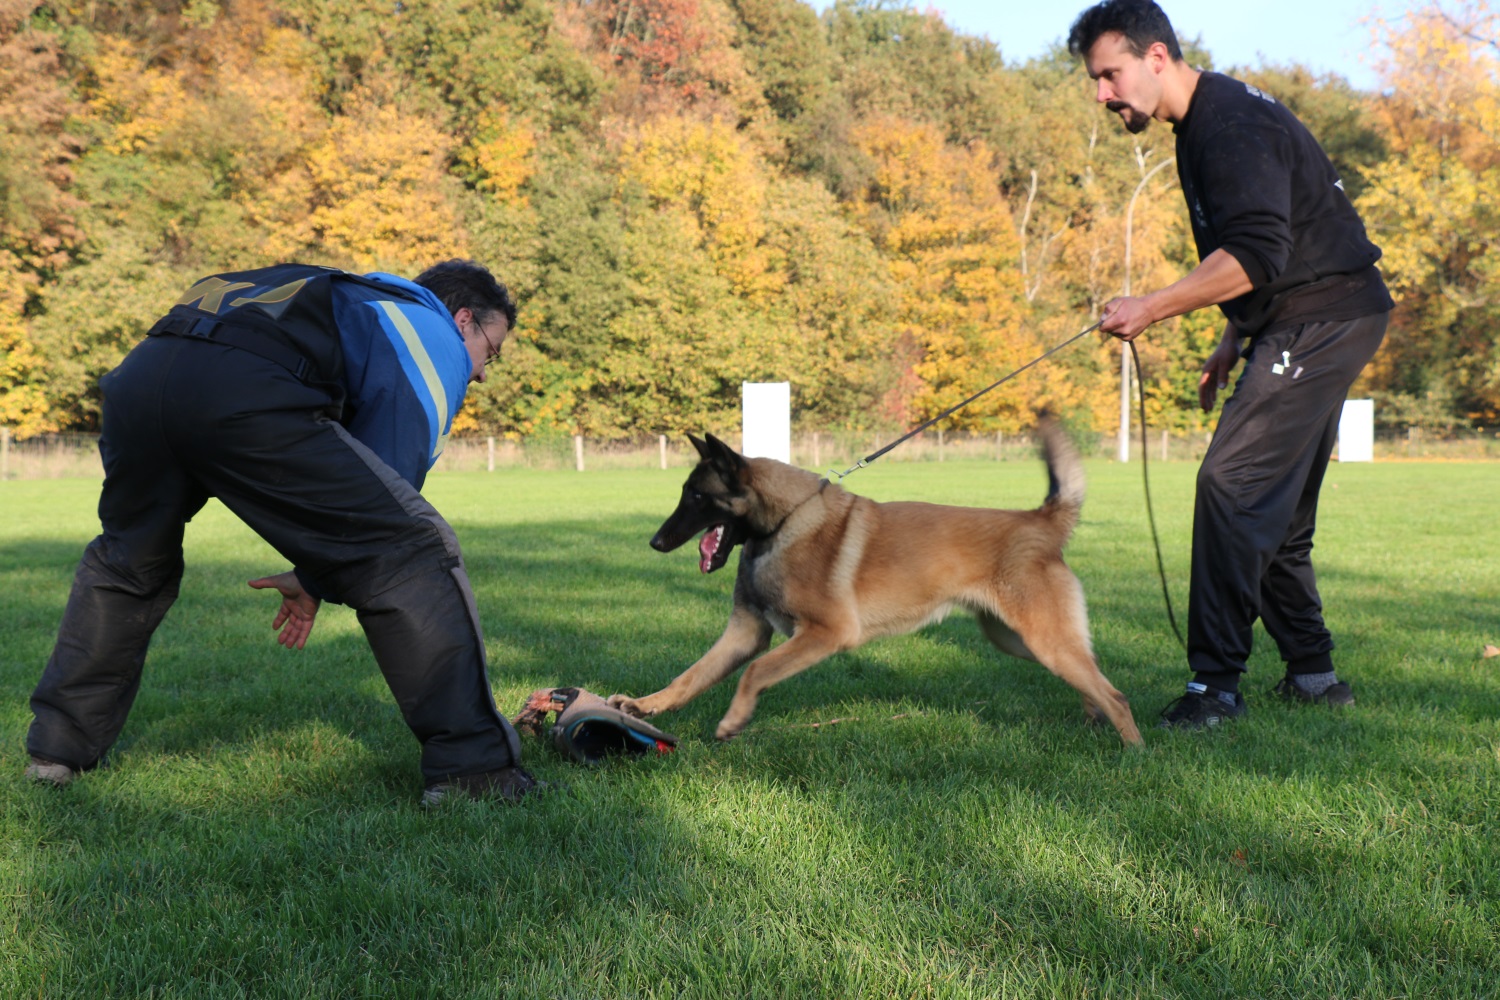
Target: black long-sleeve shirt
[(1259, 187)]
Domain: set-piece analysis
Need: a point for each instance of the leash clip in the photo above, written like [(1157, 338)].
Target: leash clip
[(849, 471)]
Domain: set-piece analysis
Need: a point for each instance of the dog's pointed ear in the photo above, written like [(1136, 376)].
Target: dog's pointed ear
[(704, 452), (724, 457)]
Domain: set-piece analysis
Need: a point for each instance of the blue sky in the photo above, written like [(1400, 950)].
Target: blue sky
[(1324, 34)]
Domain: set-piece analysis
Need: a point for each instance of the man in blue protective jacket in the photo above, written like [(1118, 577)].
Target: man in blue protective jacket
[(1285, 256), (312, 403)]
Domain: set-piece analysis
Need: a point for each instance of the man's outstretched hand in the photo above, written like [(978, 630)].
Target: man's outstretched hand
[(298, 608)]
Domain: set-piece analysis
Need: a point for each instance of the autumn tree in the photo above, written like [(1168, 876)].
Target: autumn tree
[(949, 239), (1434, 206), (687, 194), (38, 228), (374, 191)]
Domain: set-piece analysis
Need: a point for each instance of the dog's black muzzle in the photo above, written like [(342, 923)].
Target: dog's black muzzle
[(678, 529)]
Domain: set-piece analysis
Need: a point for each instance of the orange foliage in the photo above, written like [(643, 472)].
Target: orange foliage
[(937, 212)]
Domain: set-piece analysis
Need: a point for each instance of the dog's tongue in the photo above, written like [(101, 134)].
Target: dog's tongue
[(708, 545)]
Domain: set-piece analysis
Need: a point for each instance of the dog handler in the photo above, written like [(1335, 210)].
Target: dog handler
[(311, 402), (1285, 257)]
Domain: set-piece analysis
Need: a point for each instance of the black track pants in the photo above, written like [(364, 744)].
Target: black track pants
[(185, 420), (1257, 498)]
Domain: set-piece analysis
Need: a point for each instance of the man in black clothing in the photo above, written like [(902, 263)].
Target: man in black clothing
[(1285, 257), (311, 402)]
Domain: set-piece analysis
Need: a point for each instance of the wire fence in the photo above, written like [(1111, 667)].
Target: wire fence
[(58, 456)]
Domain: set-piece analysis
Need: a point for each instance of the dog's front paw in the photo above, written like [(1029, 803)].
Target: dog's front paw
[(629, 706), (727, 732)]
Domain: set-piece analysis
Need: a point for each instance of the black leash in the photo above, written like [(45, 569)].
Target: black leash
[(954, 409), (1161, 569)]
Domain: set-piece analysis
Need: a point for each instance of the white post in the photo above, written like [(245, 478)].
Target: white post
[(4, 454), (490, 444), (817, 457), (1163, 444), (999, 445), (662, 440), (578, 451), (1357, 431), (941, 434), (766, 420)]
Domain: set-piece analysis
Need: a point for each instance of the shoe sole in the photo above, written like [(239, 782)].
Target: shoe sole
[(1296, 698), (1198, 727), (434, 797)]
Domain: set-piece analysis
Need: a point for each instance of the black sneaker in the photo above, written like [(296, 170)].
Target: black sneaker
[(1337, 696), (510, 784), (1202, 707)]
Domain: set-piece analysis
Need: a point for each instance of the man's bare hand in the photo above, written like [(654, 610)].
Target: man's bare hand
[(1216, 372), (298, 608), (1126, 318)]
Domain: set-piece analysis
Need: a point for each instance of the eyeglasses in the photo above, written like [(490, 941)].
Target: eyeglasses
[(494, 351)]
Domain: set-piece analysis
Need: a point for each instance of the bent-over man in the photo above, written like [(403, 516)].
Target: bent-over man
[(312, 403)]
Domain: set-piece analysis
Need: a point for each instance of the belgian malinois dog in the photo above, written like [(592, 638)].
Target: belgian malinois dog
[(833, 570)]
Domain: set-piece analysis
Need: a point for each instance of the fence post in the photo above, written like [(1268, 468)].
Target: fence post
[(1163, 444), (662, 439), (941, 434), (490, 443), (817, 458), (999, 446), (578, 451), (4, 454)]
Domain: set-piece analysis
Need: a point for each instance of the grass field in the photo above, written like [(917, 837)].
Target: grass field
[(958, 833)]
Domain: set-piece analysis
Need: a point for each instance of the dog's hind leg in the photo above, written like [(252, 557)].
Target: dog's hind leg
[(1051, 627), (807, 646), (746, 636)]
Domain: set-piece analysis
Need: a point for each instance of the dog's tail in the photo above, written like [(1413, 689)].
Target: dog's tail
[(1064, 474)]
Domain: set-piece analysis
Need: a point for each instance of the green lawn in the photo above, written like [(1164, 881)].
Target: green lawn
[(960, 833)]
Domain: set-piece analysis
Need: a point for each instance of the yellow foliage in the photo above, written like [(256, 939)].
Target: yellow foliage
[(1442, 80), (464, 421), (1435, 201), (708, 171), (502, 156), (374, 192), (269, 91), (23, 400), (137, 102), (938, 213)]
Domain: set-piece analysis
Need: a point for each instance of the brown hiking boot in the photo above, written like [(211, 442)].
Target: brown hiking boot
[(511, 784)]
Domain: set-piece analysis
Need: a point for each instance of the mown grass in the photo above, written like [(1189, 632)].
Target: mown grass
[(959, 833)]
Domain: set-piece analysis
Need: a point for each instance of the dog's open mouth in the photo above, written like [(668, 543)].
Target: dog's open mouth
[(713, 549)]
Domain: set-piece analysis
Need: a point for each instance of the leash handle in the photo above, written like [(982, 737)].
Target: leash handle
[(954, 409), (1161, 570)]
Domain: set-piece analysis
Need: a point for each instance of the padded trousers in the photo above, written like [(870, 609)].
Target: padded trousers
[(1257, 499), (185, 420)]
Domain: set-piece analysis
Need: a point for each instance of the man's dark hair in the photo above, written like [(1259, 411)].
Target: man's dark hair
[(465, 284), (1140, 21)]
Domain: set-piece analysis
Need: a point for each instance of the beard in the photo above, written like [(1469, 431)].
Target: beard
[(1136, 122)]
